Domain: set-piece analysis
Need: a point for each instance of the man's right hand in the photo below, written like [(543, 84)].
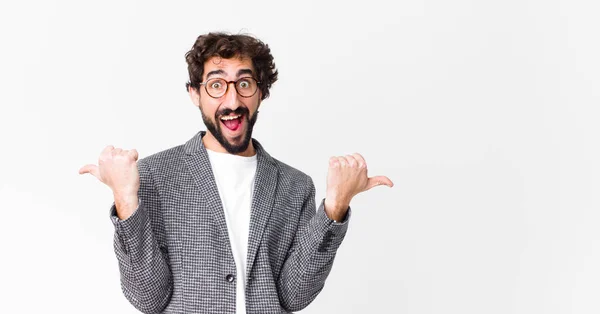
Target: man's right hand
[(117, 168)]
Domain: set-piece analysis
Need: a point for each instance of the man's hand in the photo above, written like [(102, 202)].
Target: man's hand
[(117, 168), (347, 176)]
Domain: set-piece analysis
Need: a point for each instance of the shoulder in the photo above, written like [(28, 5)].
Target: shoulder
[(163, 162), (293, 178), (289, 177), (164, 157)]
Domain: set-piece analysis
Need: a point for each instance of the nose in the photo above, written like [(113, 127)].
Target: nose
[(231, 98)]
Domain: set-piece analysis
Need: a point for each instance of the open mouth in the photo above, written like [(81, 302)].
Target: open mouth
[(232, 122)]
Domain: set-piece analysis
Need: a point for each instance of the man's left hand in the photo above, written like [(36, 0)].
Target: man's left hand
[(347, 176)]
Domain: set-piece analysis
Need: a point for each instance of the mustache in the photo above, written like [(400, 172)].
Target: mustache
[(227, 111)]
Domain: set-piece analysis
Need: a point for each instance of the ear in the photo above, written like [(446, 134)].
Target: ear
[(259, 101), (194, 96)]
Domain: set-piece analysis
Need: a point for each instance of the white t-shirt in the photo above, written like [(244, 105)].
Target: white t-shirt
[(234, 176)]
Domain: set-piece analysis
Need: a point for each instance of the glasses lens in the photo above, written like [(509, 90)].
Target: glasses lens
[(216, 87), (246, 86)]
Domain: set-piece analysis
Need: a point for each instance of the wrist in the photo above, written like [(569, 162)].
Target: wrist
[(335, 210), (125, 204)]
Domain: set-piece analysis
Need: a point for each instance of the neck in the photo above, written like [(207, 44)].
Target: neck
[(210, 142)]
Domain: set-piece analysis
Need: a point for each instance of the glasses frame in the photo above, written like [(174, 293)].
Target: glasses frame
[(227, 86)]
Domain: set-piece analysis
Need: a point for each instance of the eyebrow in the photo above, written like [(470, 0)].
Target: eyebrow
[(244, 71), (215, 72), (221, 72)]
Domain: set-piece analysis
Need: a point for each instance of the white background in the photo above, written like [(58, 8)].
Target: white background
[(483, 113)]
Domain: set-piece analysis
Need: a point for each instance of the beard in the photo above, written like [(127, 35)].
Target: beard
[(215, 129)]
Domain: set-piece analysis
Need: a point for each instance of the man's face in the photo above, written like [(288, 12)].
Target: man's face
[(231, 117)]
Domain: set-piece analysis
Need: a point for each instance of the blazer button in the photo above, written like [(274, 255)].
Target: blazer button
[(230, 278)]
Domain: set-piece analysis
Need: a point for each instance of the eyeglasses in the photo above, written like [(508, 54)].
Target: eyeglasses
[(217, 87)]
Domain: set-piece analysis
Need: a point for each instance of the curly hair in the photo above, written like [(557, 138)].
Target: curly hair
[(229, 46)]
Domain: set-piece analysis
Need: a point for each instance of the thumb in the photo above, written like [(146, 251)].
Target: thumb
[(91, 169), (378, 180)]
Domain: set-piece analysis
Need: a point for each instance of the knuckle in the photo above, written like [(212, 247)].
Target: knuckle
[(121, 157)]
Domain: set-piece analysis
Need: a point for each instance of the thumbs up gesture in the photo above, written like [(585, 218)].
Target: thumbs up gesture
[(346, 177), (117, 168)]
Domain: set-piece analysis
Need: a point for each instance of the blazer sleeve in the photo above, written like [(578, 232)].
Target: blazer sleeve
[(141, 251), (311, 256)]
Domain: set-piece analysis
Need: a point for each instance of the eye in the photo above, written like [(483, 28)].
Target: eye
[(244, 83), (216, 85)]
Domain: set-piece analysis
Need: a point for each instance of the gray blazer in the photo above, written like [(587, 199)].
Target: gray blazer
[(174, 252)]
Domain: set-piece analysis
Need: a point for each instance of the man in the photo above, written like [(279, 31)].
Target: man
[(217, 225)]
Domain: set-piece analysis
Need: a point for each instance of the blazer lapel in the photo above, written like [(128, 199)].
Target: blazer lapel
[(263, 198), (198, 163)]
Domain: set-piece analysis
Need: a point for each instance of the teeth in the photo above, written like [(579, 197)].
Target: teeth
[(230, 117)]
